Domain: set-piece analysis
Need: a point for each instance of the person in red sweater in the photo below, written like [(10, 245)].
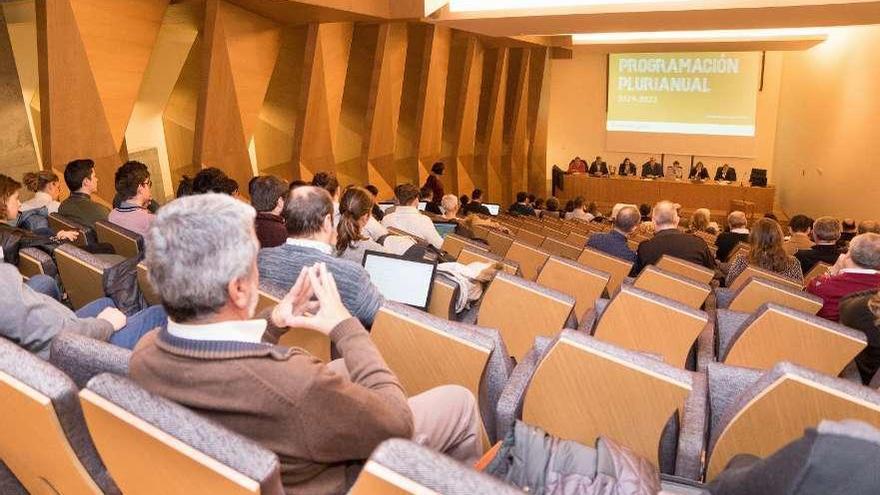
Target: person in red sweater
[(855, 271)]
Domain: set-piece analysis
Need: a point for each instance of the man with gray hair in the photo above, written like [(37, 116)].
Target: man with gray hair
[(826, 233), (669, 240), (321, 420), (308, 215), (738, 232), (855, 271), (614, 243)]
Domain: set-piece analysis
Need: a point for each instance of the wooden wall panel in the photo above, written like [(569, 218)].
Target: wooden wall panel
[(466, 118), (406, 160), (233, 92), (179, 117), (516, 135), (326, 63), (452, 109), (539, 112), (383, 107), (17, 153), (275, 130), (490, 123), (431, 103), (352, 133), (21, 25)]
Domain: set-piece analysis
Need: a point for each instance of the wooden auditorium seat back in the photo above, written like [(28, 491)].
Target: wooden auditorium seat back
[(530, 259), (776, 410), (498, 243), (126, 243), (444, 294), (584, 389), (687, 269), (553, 233), (425, 352), (646, 322), (618, 269), (57, 223), (151, 445), (820, 270), (453, 244), (147, 289), (33, 441), (740, 248), (469, 255), (754, 271), (561, 248), (674, 286), (530, 237), (582, 283), (34, 261), (576, 239), (82, 274), (315, 342), (758, 291), (775, 334), (522, 310)]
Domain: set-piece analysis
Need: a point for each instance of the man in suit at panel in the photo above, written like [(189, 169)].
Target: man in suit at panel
[(725, 173), (669, 240), (652, 168), (699, 172), (599, 167), (627, 168), (675, 171)]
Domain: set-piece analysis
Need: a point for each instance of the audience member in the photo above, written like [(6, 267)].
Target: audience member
[(627, 168), (322, 420), (869, 226), (79, 175), (308, 214), (450, 208), (267, 197), (765, 241), (434, 183), (229, 187), (855, 271), (328, 182), (848, 230), (552, 207), (699, 172), (476, 204), (299, 183), (521, 206), (408, 218), (207, 180), (464, 200), (599, 167), (579, 212), (426, 195), (861, 310), (725, 173), (593, 209), (645, 212), (826, 232), (771, 216), (46, 188), (354, 213), (377, 212), (669, 240), (134, 188), (538, 206), (738, 232), (700, 220), (801, 228), (577, 166), (14, 239), (615, 241)]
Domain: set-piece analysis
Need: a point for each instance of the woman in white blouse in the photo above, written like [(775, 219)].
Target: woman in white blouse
[(46, 188)]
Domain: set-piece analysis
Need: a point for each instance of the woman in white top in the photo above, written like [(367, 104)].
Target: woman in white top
[(352, 241), (46, 188)]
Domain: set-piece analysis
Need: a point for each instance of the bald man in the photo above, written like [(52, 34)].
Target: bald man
[(669, 240)]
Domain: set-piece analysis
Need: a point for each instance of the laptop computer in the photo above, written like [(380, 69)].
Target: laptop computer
[(445, 228), (384, 205), (423, 205), (401, 280), (494, 208)]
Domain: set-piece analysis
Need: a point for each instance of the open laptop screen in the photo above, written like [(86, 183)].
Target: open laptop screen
[(384, 205), (445, 228), (401, 280), (423, 205), (494, 209)]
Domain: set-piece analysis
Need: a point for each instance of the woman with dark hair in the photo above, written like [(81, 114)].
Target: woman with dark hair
[(46, 188), (434, 183), (765, 241), (355, 207), (207, 180)]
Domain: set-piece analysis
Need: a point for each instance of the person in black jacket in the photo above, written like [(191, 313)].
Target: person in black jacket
[(669, 240), (738, 233), (627, 168), (826, 233), (726, 173), (475, 205), (521, 207), (599, 167), (652, 168), (699, 172)]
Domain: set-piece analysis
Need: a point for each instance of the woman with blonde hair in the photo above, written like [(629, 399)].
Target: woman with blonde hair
[(700, 221), (46, 187), (766, 252)]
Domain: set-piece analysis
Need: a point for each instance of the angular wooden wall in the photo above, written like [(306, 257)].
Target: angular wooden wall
[(196, 83)]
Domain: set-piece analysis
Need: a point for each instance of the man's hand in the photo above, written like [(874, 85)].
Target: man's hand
[(297, 302), (330, 310), (67, 235), (114, 316)]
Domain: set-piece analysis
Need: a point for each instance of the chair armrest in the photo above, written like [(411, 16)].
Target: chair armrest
[(510, 403), (706, 348), (692, 436)]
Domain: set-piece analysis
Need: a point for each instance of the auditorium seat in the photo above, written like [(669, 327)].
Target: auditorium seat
[(82, 273), (820, 270), (530, 259), (529, 237), (741, 247), (578, 281), (775, 333), (83, 358), (444, 294), (151, 445), (553, 233), (578, 388), (453, 244), (469, 255), (676, 287), (313, 341), (561, 248), (754, 271), (618, 269), (126, 243), (426, 352), (401, 467), (522, 310), (758, 291), (35, 261), (44, 440), (87, 235), (498, 243), (687, 269), (647, 322), (576, 239), (776, 408)]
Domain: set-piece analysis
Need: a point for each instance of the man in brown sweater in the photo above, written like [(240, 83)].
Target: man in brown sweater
[(321, 420)]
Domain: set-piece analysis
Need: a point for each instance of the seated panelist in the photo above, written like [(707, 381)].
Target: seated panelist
[(577, 166), (652, 168), (627, 168), (725, 173), (699, 172), (599, 167)]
